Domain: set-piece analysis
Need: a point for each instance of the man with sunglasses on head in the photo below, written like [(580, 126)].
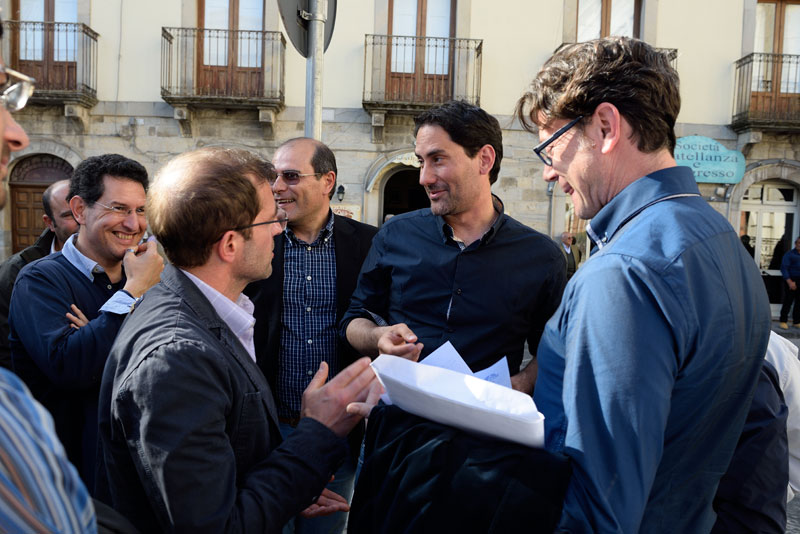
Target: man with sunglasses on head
[(67, 308), (298, 308), (648, 368), (188, 423), (41, 490)]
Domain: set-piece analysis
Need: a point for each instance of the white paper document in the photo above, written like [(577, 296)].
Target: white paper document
[(461, 400)]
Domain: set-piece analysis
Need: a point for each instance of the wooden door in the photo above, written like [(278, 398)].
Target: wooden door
[(776, 78), (231, 48), (420, 57), (26, 215), (45, 46)]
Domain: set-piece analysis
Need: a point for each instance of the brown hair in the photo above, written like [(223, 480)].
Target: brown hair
[(630, 74), (200, 195)]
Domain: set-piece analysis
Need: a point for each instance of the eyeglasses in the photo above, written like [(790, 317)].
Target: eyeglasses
[(15, 94), (282, 221), (122, 211), (540, 149), (290, 177)]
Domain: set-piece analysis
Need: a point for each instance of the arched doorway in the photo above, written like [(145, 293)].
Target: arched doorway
[(768, 225), (29, 178), (402, 193)]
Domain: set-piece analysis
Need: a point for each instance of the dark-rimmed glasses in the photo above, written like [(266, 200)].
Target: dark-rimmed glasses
[(15, 94), (290, 177), (540, 149), (282, 221)]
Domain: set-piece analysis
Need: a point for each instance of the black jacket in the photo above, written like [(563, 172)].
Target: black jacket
[(9, 270), (188, 426)]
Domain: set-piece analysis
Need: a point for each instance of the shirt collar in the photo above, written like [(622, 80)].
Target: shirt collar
[(237, 315), (324, 234), (87, 266), (446, 231), (635, 197)]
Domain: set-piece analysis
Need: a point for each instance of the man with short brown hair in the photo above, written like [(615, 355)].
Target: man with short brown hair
[(188, 423), (648, 368)]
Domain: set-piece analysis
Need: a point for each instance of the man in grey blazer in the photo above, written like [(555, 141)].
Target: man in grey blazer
[(188, 424)]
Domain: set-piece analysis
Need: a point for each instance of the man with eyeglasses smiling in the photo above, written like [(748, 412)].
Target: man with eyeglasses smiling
[(648, 368), (188, 423), (67, 308)]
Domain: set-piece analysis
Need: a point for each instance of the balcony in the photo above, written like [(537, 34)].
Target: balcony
[(222, 69), (767, 93), (410, 74), (61, 56)]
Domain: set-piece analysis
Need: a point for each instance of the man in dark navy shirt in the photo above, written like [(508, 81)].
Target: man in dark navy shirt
[(462, 271)]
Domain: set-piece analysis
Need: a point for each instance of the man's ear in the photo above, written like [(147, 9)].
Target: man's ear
[(225, 249), (486, 156), (330, 182), (606, 127), (78, 207), (48, 222)]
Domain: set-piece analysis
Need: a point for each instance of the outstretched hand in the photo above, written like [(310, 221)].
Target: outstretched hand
[(327, 403)]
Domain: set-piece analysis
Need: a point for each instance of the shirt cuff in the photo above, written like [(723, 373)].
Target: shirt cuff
[(119, 303)]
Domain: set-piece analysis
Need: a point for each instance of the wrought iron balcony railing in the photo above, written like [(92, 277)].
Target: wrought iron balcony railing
[(767, 93), (408, 73), (61, 56), (222, 68)]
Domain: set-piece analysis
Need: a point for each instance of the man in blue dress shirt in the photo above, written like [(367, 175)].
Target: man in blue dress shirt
[(648, 368)]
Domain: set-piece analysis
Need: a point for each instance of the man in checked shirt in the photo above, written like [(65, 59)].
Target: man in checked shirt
[(315, 270)]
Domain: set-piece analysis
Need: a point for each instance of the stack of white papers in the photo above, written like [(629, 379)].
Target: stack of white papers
[(443, 389)]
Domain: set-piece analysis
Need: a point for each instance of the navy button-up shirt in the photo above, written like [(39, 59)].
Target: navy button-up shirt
[(487, 299), (647, 370)]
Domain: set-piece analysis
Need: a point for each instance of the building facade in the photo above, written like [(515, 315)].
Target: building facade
[(150, 79)]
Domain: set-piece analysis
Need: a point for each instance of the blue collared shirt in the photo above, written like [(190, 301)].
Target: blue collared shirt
[(237, 315), (120, 302), (308, 316), (647, 369), (41, 490)]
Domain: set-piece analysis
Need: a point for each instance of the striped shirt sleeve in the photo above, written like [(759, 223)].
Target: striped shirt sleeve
[(40, 491)]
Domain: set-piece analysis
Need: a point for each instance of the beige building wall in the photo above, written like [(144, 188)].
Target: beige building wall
[(518, 36)]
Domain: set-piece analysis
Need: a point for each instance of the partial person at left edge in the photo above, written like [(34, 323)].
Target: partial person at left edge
[(67, 308), (41, 490), (59, 225)]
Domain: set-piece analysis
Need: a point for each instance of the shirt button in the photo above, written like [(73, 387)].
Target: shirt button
[(308, 309), (309, 372), (458, 291), (308, 249), (310, 341), (308, 278), (108, 286)]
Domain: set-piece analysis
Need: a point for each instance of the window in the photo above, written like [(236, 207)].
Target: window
[(420, 55), (601, 18), (778, 32)]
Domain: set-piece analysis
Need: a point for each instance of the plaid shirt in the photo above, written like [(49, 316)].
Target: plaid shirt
[(308, 317)]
